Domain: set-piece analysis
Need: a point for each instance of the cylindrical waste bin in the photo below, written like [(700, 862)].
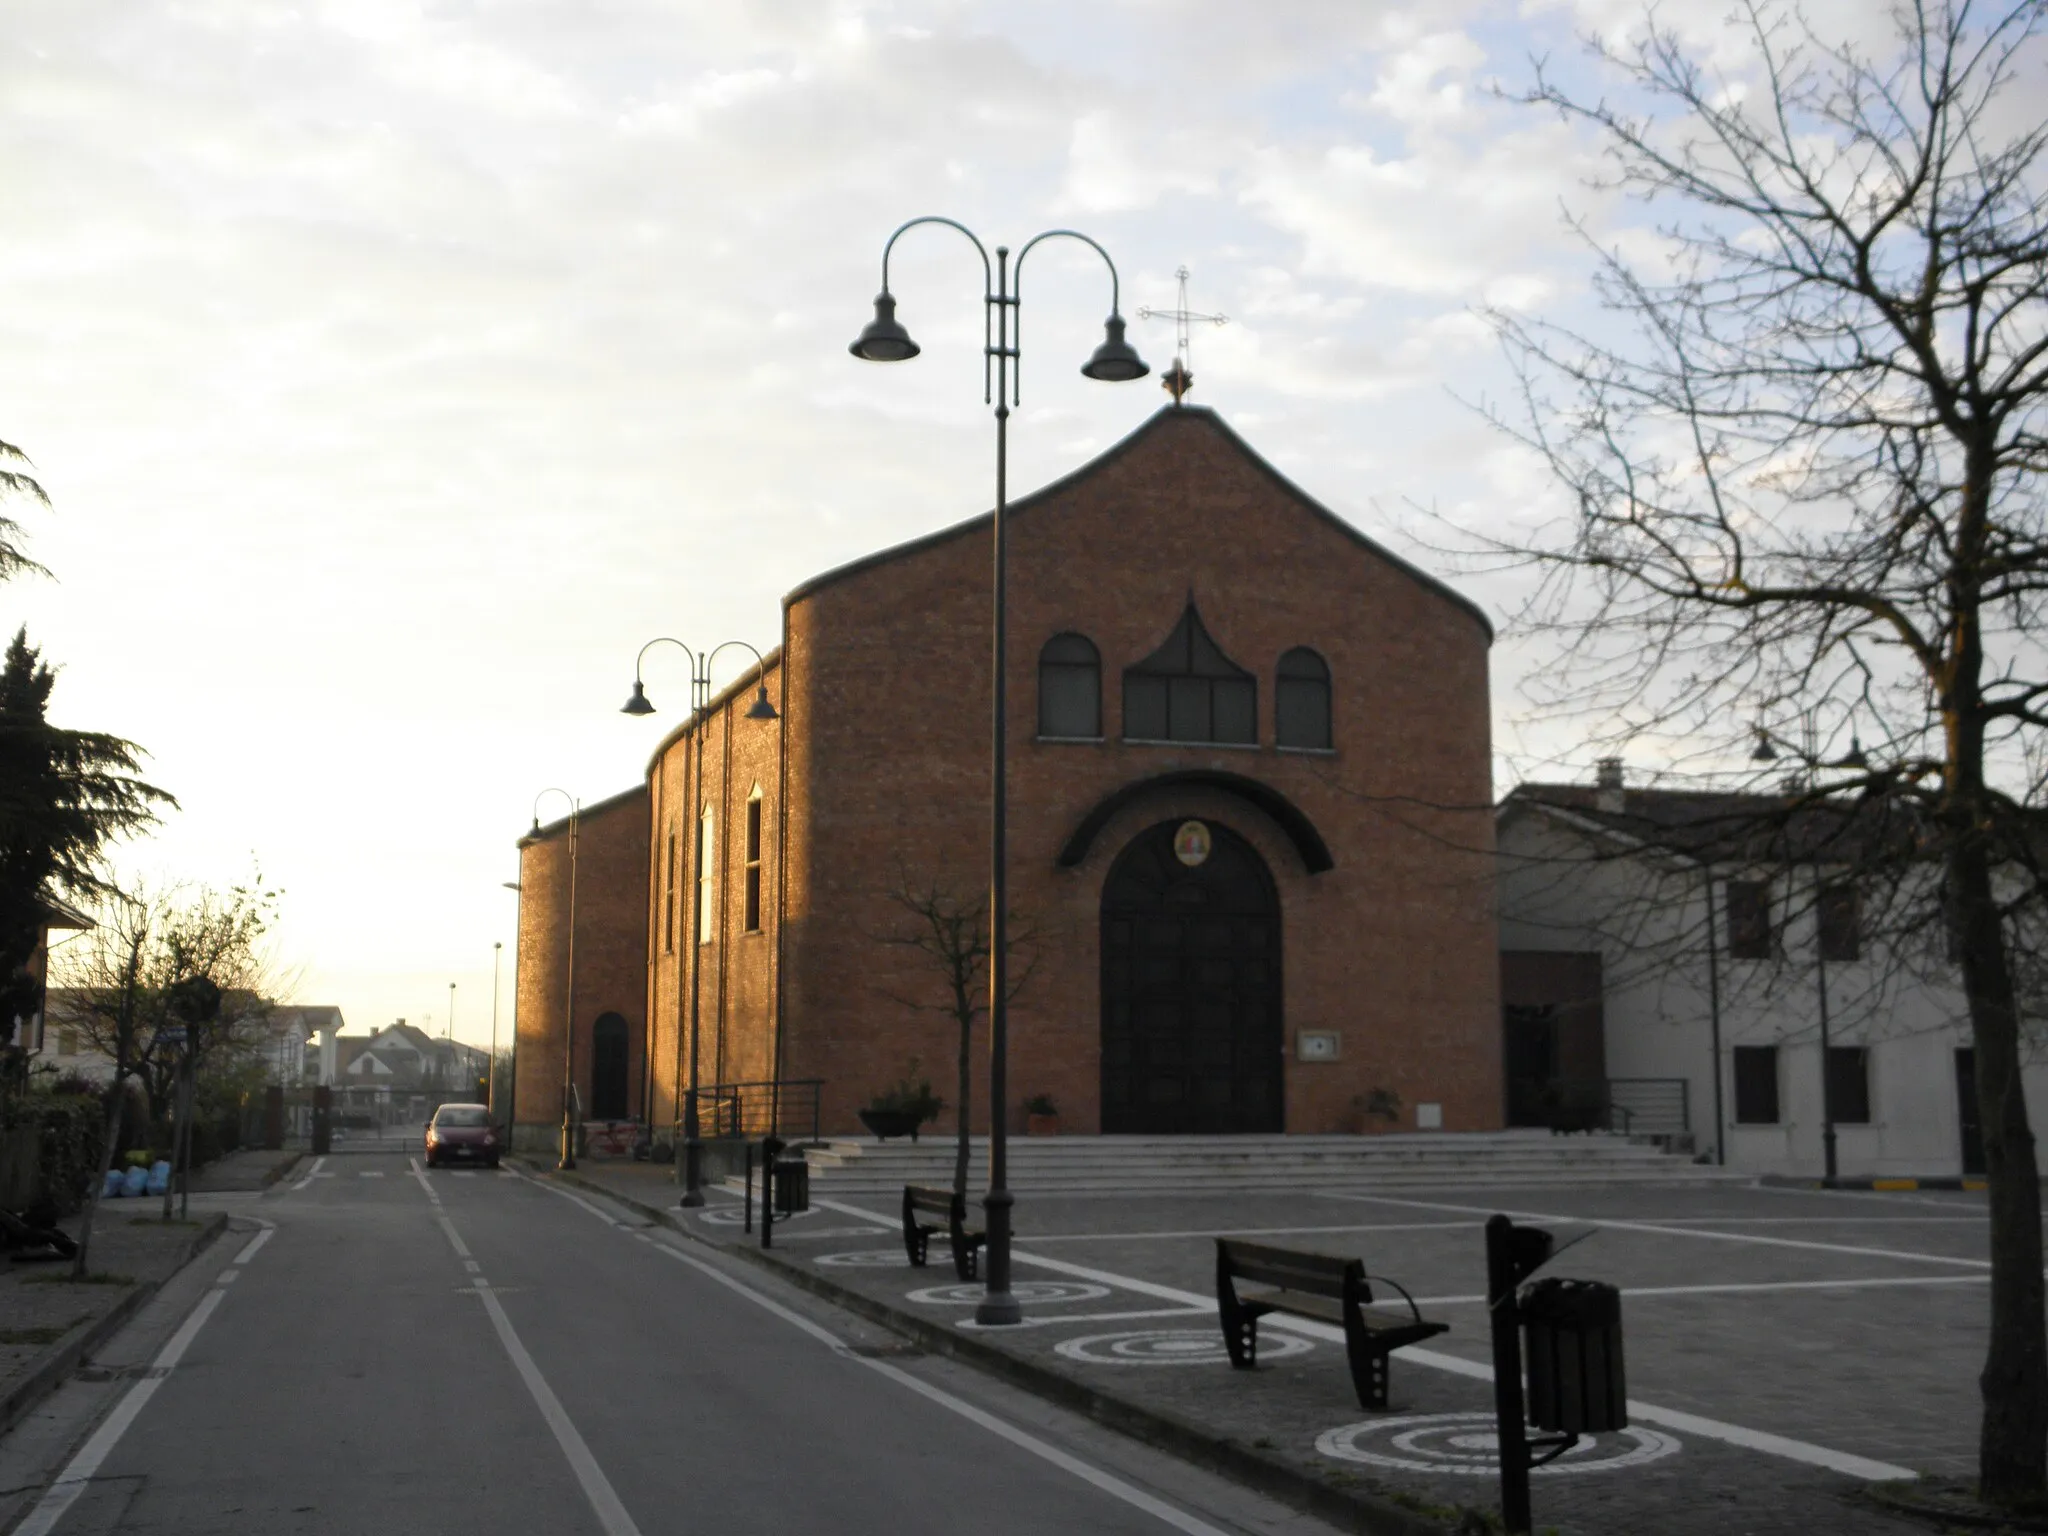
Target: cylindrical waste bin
[(1571, 1332), (792, 1186)]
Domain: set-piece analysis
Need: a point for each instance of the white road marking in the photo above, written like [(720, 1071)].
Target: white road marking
[(78, 1473), (369, 1175), (312, 1173), (1709, 1429), (1661, 1229), (255, 1244), (420, 1173), (227, 1277), (1095, 1477), (597, 1488), (573, 1199), (1128, 1237)]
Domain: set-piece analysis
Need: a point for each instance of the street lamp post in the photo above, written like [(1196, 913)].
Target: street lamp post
[(491, 1072), (886, 341), (691, 1167), (568, 1157), (512, 1066)]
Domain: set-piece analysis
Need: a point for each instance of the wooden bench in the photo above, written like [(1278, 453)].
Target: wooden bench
[(919, 1200), (1319, 1286)]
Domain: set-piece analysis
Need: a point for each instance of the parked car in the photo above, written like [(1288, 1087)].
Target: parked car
[(461, 1133)]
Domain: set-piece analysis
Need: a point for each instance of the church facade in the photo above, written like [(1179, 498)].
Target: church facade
[(1250, 843)]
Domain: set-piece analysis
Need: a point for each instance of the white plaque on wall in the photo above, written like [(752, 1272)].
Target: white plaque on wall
[(1318, 1045), (1429, 1117)]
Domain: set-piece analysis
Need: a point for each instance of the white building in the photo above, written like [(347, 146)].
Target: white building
[(1702, 1019)]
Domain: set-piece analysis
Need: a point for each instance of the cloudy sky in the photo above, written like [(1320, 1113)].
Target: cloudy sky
[(396, 369)]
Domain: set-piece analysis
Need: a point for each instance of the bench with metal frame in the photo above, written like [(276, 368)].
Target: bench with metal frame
[(921, 1200), (1318, 1286)]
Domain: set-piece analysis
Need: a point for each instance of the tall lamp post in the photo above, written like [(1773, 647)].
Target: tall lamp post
[(568, 1157), (692, 1166), (491, 1071), (512, 1067), (886, 341), (1854, 758)]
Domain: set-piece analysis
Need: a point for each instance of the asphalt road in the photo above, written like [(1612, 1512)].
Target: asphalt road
[(377, 1348)]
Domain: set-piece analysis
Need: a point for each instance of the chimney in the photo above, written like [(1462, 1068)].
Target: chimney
[(1607, 781)]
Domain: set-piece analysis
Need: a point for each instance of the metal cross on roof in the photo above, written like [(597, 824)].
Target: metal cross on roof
[(1177, 380)]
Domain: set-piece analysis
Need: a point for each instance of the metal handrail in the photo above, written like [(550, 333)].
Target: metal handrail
[(762, 1108)]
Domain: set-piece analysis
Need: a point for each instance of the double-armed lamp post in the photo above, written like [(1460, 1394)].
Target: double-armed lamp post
[(692, 1167), (886, 341)]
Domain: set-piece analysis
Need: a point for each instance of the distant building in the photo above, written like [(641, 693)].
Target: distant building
[(399, 1072), (1638, 924)]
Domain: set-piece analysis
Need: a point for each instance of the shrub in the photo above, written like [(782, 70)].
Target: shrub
[(69, 1128)]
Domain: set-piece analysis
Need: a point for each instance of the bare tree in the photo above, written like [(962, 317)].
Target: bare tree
[(951, 933), (1802, 447)]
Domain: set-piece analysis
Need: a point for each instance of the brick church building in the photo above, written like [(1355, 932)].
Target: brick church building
[(1249, 829)]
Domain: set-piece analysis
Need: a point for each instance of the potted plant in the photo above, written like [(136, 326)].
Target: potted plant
[(900, 1109), (1041, 1115)]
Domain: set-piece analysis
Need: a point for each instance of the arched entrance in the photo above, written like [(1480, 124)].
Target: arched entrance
[(1191, 1022), (609, 1072)]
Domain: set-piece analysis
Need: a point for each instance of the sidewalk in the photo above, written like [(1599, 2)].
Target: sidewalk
[(251, 1168), (49, 1324), (1122, 1326)]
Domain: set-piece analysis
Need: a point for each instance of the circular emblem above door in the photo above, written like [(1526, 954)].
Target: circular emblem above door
[(1191, 843)]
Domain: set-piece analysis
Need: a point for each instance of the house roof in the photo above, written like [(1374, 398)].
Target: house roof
[(1174, 414), (1731, 826)]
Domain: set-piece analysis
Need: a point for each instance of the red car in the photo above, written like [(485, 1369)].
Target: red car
[(461, 1133)]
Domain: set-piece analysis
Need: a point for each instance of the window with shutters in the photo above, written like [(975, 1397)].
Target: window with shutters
[(1070, 689), (1301, 701), (1756, 1084), (1188, 690), (1749, 920)]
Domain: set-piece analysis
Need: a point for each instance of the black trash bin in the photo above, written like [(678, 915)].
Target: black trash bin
[(1571, 1332), (792, 1186)]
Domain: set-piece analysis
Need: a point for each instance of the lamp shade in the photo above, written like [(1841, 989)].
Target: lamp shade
[(761, 709), (1765, 752), (637, 705), (1853, 758), (1115, 361), (884, 340)]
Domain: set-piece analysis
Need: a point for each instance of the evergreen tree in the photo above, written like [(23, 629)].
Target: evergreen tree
[(15, 482), (63, 796)]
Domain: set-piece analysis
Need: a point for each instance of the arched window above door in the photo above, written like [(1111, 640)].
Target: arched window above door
[(1188, 690), (1070, 689), (1301, 701)]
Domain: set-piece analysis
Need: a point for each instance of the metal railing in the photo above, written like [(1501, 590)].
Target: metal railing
[(787, 1108), (1651, 1106)]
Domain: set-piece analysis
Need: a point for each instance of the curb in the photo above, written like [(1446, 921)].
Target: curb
[(1942, 1181), (1367, 1515), (283, 1168), (55, 1369)]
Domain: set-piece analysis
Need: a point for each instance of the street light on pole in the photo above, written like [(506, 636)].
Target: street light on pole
[(691, 1167), (512, 1066), (884, 340), (568, 1157)]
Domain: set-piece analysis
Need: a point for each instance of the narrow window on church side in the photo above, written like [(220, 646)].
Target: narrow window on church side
[(705, 904), (753, 894), (1301, 703), (1070, 689), (669, 923)]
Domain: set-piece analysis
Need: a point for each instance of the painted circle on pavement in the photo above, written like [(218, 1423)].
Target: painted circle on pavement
[(873, 1258), (1465, 1445), (1035, 1292), (1171, 1346)]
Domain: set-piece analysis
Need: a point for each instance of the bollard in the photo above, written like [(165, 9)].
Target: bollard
[(749, 1181), (771, 1148)]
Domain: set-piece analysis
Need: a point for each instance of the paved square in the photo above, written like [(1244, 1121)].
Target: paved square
[(1782, 1346)]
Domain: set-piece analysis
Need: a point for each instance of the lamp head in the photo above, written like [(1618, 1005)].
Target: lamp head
[(761, 709), (1853, 758), (1115, 361), (637, 705), (884, 340), (1765, 752)]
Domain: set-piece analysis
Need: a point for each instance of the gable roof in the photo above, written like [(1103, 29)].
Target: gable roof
[(1731, 826), (1145, 429)]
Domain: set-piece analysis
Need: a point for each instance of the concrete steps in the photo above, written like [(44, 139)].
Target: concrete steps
[(1112, 1165)]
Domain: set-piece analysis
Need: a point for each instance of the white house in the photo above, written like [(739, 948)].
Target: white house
[(1683, 956)]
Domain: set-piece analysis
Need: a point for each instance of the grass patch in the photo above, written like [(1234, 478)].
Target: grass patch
[(37, 1335), (68, 1278)]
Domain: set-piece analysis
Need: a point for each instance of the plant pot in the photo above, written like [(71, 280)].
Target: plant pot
[(891, 1122), (1041, 1125)]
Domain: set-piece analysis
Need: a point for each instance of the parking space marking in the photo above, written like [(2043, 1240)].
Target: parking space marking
[(1665, 1230), (1129, 1237), (1670, 1418)]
